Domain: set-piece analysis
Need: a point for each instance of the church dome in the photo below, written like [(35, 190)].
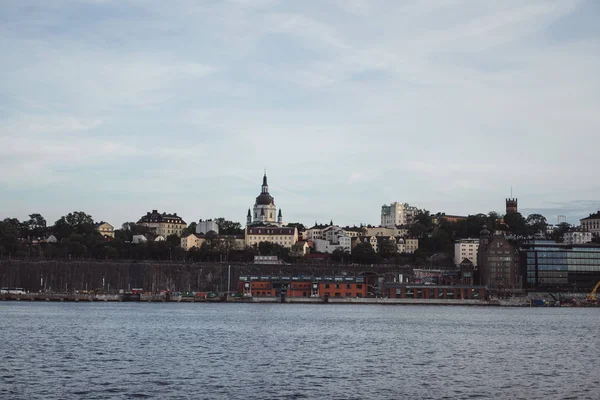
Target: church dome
[(264, 199)]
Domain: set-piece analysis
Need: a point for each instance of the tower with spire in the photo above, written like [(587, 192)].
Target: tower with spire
[(264, 210)]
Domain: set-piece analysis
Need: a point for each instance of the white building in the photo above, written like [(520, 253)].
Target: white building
[(591, 224), (316, 232), (51, 239), (204, 227), (397, 214), (139, 239), (325, 246), (466, 248), (577, 237), (327, 238), (286, 237)]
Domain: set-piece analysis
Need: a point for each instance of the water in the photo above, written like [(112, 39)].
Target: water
[(279, 351)]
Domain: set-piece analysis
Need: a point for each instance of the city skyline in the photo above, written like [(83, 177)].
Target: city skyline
[(117, 107), (189, 219)]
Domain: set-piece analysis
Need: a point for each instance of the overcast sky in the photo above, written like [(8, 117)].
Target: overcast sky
[(118, 107)]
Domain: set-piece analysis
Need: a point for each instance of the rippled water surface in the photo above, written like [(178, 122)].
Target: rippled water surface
[(256, 351)]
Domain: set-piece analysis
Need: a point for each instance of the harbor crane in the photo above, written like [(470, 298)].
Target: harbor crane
[(592, 295)]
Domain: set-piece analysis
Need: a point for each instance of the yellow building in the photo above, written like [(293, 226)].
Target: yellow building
[(412, 244), (192, 240), (285, 236), (105, 229), (163, 224)]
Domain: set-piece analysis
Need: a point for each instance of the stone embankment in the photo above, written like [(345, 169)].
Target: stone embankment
[(112, 276)]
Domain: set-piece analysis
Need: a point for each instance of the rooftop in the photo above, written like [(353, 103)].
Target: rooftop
[(592, 216)]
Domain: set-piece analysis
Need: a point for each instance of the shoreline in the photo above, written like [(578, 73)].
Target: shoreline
[(159, 298)]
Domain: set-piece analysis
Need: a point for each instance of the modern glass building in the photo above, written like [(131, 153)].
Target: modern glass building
[(560, 267)]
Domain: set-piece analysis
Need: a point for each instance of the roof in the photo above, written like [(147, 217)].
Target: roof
[(592, 216), (264, 199), (156, 217), (319, 226), (352, 229), (98, 224)]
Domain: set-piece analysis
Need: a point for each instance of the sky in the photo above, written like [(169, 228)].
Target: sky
[(119, 107)]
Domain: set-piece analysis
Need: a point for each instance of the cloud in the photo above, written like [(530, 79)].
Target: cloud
[(349, 104)]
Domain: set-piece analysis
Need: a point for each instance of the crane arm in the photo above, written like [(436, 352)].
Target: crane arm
[(592, 295)]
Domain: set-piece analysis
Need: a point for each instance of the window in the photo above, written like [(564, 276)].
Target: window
[(338, 294), (348, 286), (337, 285), (359, 286), (327, 286)]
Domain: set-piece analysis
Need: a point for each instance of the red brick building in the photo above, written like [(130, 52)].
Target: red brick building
[(332, 286)]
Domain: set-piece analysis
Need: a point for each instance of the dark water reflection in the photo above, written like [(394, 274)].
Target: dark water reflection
[(214, 351)]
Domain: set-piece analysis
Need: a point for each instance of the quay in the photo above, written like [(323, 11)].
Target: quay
[(223, 298)]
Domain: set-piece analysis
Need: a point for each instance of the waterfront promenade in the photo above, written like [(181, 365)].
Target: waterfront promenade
[(165, 298)]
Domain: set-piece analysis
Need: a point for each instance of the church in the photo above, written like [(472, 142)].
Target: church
[(264, 211)]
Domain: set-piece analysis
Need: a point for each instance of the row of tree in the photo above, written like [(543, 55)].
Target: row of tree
[(77, 237)]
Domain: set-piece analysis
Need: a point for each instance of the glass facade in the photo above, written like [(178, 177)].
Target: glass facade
[(561, 267)]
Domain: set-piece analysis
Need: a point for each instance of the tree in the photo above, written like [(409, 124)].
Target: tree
[(388, 248), (297, 225), (77, 221), (191, 228), (211, 239), (516, 223), (417, 230), (274, 249), (537, 223), (9, 236), (227, 227), (363, 253), (424, 218), (173, 240), (35, 226), (560, 230), (340, 255)]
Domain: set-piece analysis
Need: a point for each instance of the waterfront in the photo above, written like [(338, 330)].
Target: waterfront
[(212, 351)]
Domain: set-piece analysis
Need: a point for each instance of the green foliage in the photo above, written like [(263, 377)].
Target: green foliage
[(417, 230), (274, 249), (227, 227), (559, 231), (75, 222), (172, 240), (9, 236), (341, 256), (191, 228), (298, 226), (363, 253), (517, 224), (537, 224), (387, 248), (35, 227), (424, 218)]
